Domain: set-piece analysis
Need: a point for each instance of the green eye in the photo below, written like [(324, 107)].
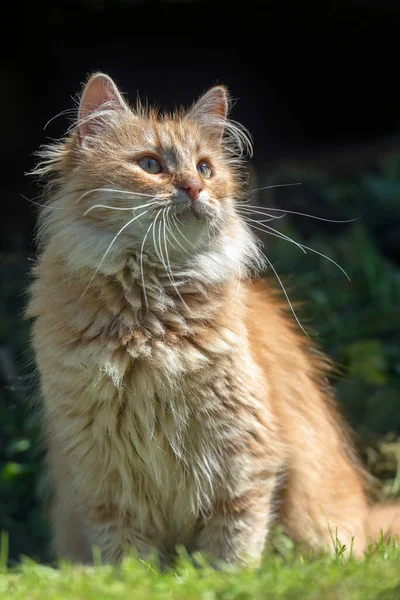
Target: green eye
[(150, 165), (204, 170)]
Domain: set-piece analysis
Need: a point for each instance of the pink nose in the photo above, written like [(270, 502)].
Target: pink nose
[(193, 190)]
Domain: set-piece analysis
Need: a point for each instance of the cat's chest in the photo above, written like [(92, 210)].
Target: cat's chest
[(144, 421), (153, 443)]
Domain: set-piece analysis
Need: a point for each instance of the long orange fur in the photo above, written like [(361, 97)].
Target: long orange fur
[(182, 405)]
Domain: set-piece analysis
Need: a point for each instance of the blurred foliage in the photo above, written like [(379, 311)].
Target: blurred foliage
[(22, 478), (357, 323)]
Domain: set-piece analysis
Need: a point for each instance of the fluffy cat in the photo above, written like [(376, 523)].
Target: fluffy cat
[(181, 403)]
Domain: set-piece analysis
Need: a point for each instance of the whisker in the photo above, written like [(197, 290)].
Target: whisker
[(112, 190), (167, 224), (103, 110), (117, 207), (179, 231), (109, 248), (175, 219), (275, 233), (173, 235), (302, 246), (276, 185), (162, 224), (185, 250), (294, 212), (165, 241), (169, 264), (264, 214), (159, 241), (327, 258), (161, 256), (154, 239), (271, 219), (141, 263), (60, 114), (285, 292), (49, 207), (44, 206)]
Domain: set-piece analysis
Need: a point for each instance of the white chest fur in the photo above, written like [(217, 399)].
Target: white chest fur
[(145, 444)]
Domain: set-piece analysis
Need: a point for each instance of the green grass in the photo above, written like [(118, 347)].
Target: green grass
[(289, 577)]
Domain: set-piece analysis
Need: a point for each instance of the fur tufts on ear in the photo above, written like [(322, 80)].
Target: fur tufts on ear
[(100, 96), (211, 109)]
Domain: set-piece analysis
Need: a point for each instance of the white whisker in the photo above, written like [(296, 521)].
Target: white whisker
[(252, 211), (168, 261), (327, 258), (109, 248), (276, 185), (114, 191), (269, 230), (154, 238), (104, 111), (141, 263), (294, 212), (285, 292), (271, 219), (276, 233), (43, 206), (312, 250), (173, 235), (117, 207), (160, 254), (265, 214), (167, 224), (174, 218), (70, 111)]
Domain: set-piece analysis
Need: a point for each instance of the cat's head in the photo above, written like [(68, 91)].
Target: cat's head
[(161, 186)]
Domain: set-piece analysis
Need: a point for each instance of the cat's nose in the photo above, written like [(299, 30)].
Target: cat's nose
[(193, 190)]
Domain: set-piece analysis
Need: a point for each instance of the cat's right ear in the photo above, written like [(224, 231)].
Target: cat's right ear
[(100, 96)]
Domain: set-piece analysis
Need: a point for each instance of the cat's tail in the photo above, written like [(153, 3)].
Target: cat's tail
[(383, 522)]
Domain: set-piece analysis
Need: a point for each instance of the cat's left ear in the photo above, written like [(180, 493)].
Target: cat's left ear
[(99, 98), (211, 109)]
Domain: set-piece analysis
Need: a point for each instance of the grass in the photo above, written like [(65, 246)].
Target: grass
[(290, 577)]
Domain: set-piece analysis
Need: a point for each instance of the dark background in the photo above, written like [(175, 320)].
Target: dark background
[(310, 77), (316, 84)]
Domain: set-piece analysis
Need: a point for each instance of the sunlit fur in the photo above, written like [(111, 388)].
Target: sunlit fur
[(182, 404)]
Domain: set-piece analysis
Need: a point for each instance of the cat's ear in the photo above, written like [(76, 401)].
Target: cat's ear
[(211, 109), (100, 96)]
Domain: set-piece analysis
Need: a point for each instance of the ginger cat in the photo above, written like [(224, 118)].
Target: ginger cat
[(182, 404)]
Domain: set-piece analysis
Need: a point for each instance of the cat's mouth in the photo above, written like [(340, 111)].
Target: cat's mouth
[(198, 209), (192, 209)]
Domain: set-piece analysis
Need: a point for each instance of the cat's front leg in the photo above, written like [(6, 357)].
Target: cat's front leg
[(116, 534), (237, 530)]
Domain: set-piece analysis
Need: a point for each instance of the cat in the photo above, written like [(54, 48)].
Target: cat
[(182, 404)]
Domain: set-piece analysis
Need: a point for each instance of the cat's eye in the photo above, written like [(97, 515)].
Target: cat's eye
[(150, 165), (204, 170)]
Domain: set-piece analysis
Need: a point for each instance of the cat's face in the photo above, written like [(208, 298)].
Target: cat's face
[(159, 189), (171, 178)]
